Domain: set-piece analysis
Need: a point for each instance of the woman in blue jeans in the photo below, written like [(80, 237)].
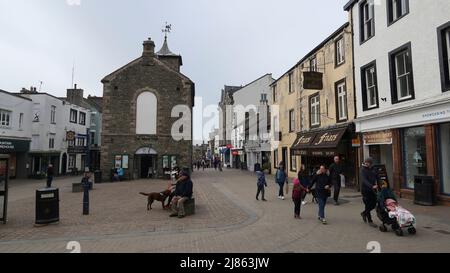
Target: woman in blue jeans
[(323, 190), (281, 179)]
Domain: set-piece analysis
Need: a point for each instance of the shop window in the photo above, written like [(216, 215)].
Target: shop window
[(445, 157), (397, 9), (72, 160), (415, 154), (293, 162), (444, 55)]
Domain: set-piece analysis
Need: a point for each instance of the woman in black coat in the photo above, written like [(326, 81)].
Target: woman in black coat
[(323, 190)]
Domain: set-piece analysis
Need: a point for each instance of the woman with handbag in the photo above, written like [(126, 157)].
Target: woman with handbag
[(323, 190)]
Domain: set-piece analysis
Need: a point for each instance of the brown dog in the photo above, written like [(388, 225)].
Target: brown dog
[(155, 196)]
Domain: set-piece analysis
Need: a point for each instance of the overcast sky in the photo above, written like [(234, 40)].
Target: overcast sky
[(222, 42)]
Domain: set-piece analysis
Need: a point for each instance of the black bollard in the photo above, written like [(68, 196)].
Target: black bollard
[(86, 199)]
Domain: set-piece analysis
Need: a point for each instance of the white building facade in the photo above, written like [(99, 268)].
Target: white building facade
[(15, 132), (59, 135), (402, 79), (250, 136)]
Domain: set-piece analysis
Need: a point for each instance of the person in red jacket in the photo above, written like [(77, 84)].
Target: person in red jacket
[(297, 194)]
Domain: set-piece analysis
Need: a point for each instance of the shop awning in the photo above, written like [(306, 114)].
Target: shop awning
[(303, 141), (321, 143)]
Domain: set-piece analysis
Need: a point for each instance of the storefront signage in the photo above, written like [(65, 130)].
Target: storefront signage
[(14, 146), (77, 150), (356, 142), (303, 141), (329, 139), (313, 80), (378, 138), (70, 135)]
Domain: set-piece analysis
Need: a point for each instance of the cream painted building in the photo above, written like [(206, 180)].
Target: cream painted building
[(317, 106)]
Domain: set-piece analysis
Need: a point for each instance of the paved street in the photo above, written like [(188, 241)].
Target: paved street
[(228, 219)]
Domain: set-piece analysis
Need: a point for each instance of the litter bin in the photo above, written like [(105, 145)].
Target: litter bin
[(47, 206), (98, 177), (424, 190)]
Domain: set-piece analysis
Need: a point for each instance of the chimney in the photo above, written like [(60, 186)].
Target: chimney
[(75, 95), (149, 48)]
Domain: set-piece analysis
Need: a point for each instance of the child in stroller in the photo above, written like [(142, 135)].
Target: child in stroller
[(391, 213)]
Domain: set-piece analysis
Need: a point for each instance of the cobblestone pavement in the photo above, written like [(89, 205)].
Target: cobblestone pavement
[(228, 219)]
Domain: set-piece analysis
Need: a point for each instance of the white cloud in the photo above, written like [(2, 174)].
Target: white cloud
[(73, 2)]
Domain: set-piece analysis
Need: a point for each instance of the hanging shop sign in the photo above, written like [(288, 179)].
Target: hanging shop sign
[(378, 138), (313, 80)]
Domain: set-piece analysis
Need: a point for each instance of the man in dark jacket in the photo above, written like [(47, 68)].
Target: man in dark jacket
[(369, 186), (336, 170), (183, 192)]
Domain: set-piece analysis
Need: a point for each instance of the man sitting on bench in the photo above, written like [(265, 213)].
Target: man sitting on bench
[(183, 192)]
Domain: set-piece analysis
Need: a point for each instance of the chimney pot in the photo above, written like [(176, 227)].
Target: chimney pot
[(149, 47)]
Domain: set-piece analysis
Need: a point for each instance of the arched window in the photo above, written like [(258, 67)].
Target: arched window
[(146, 114)]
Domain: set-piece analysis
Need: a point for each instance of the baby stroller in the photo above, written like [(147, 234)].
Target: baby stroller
[(391, 214)]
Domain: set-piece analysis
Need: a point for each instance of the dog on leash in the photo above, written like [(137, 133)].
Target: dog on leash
[(155, 196)]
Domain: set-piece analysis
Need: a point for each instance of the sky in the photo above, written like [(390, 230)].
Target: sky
[(222, 42)]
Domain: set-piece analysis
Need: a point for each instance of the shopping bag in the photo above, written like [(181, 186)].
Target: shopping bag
[(342, 181)]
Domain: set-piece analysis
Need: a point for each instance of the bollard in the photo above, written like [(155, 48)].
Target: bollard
[(85, 198)]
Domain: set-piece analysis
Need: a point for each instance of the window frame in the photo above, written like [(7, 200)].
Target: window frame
[(291, 82), (342, 82), (390, 12), (275, 158), (444, 55), (394, 77), (338, 63), (53, 114), (274, 93), (313, 64), (21, 116), (73, 117), (363, 21), (72, 158), (364, 87), (317, 107), (291, 120), (51, 141), (292, 158), (5, 118), (82, 119)]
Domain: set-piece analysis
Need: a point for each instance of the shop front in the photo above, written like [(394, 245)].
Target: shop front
[(378, 145), (239, 159), (17, 150), (41, 161), (320, 147), (417, 144)]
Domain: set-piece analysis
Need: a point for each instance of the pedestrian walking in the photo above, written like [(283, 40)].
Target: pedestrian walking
[(220, 165), (368, 188), (261, 184), (203, 164), (281, 179), (50, 174), (297, 192), (303, 178), (336, 174), (323, 190)]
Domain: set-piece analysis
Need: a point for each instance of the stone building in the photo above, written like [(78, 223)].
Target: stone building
[(139, 113)]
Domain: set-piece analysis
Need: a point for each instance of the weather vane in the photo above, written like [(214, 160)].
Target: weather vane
[(167, 29)]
